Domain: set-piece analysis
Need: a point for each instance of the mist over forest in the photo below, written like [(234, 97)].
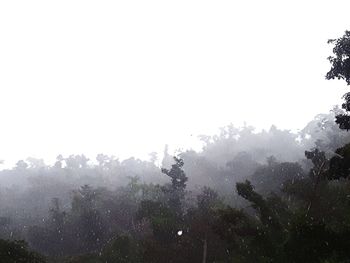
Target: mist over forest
[(233, 155), (246, 195), (103, 210)]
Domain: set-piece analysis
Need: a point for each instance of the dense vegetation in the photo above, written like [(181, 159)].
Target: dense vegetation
[(247, 196)]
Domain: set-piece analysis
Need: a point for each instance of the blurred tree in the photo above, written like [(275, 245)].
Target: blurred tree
[(339, 166), (123, 249), (167, 158), (77, 161), (88, 221), (274, 175), (153, 157), (201, 220), (17, 252), (34, 163), (21, 165), (59, 162), (253, 237)]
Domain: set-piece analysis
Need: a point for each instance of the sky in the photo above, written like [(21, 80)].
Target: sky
[(127, 77)]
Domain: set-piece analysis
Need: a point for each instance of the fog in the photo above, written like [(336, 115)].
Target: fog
[(187, 131), (83, 77), (31, 190)]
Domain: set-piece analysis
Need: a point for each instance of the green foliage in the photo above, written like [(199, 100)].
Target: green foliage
[(163, 220), (340, 69), (340, 61), (175, 193), (274, 176), (291, 217), (266, 214), (177, 175), (309, 222), (122, 249)]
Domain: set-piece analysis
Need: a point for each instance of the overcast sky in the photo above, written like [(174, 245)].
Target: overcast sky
[(127, 77)]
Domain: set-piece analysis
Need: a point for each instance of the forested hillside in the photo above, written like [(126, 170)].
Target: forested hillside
[(246, 196)]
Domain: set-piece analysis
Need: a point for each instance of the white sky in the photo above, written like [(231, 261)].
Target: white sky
[(127, 77)]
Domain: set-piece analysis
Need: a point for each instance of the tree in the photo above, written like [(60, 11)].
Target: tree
[(176, 190), (340, 69), (21, 165), (50, 239), (201, 220), (339, 166), (266, 214), (88, 219), (17, 252), (341, 61), (257, 236), (274, 175)]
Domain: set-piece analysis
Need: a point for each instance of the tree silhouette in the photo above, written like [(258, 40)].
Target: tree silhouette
[(340, 69), (177, 188)]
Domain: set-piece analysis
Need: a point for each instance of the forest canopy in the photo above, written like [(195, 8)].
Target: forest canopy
[(246, 196)]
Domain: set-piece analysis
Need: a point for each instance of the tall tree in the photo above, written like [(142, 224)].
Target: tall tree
[(177, 188)]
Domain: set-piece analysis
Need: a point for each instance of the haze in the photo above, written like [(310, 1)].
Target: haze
[(127, 77)]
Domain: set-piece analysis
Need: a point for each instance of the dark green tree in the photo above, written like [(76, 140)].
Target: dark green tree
[(257, 236), (176, 191), (340, 69), (339, 166), (274, 175)]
